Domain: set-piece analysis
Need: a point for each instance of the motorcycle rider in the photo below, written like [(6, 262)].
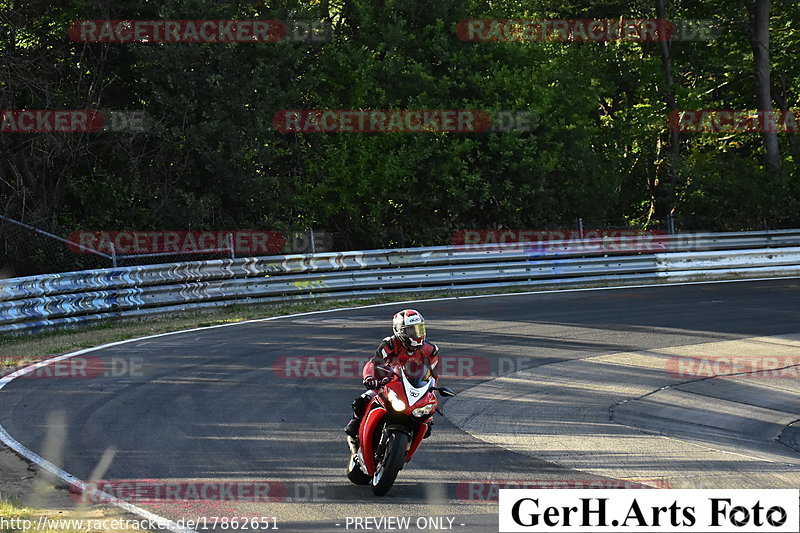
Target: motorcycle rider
[(407, 342)]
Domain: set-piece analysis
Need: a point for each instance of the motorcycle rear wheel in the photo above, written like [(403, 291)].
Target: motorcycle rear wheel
[(393, 460)]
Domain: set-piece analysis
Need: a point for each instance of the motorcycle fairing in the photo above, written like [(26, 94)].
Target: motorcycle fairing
[(365, 433), (418, 436)]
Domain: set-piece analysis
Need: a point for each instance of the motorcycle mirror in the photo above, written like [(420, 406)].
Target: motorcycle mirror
[(445, 391)]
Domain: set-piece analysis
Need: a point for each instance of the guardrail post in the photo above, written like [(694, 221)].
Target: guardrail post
[(580, 228), (113, 255), (670, 224), (311, 240), (230, 246)]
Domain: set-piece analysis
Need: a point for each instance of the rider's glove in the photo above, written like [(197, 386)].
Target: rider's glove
[(371, 382)]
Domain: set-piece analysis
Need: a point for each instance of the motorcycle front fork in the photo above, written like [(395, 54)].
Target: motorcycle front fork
[(382, 444), (352, 443)]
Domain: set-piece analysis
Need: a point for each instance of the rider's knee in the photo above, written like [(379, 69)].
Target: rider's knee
[(359, 405)]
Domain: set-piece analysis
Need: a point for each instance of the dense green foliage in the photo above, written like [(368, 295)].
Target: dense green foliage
[(211, 158)]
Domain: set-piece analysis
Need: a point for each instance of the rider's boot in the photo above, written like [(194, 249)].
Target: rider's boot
[(359, 405), (352, 427)]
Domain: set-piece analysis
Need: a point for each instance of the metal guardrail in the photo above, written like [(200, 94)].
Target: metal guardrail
[(78, 298)]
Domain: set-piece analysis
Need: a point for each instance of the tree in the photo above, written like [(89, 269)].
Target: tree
[(665, 47), (761, 60)]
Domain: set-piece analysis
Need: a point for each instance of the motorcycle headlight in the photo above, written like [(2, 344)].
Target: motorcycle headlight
[(422, 411), (395, 401)]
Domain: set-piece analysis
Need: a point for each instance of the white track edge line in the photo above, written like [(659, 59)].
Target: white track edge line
[(98, 495), (165, 523)]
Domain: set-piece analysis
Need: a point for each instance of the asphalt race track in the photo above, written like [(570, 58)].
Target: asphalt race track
[(263, 404)]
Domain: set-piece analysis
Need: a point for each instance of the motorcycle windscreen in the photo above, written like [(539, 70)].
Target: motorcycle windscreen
[(417, 373)]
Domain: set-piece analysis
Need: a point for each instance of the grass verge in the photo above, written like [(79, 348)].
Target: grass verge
[(15, 518)]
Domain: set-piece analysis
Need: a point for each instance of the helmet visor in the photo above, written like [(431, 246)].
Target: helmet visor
[(417, 331)]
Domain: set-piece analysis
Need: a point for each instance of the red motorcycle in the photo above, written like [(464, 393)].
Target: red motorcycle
[(393, 426)]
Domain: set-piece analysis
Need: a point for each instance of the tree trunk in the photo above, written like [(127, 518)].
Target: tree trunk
[(761, 59), (783, 105), (665, 47)]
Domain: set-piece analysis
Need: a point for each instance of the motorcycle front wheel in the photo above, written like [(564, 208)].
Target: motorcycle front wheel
[(390, 464)]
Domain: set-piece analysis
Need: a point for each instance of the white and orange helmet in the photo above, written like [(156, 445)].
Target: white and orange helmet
[(409, 327)]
